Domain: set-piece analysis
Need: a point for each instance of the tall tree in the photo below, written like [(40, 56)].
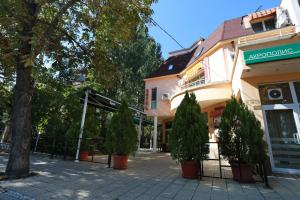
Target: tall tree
[(135, 61), (35, 32)]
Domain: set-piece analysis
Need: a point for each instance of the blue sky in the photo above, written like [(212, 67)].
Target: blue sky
[(188, 20)]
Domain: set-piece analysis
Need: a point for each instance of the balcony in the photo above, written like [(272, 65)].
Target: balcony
[(266, 36), (207, 94), (193, 84)]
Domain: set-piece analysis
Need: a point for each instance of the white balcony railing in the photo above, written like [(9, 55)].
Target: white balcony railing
[(200, 81)]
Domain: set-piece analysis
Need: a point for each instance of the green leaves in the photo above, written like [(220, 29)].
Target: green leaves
[(241, 136), (122, 135), (190, 133)]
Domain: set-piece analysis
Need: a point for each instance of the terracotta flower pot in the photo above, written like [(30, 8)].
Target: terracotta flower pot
[(241, 172), (190, 170), (120, 162), (84, 155)]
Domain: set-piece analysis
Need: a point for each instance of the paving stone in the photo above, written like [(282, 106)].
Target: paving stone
[(149, 177)]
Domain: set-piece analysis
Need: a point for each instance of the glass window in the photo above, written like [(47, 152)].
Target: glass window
[(170, 67), (153, 98), (275, 94), (284, 143), (257, 27), (297, 88), (270, 24)]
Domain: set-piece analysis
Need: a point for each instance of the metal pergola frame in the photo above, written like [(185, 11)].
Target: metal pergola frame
[(98, 100)]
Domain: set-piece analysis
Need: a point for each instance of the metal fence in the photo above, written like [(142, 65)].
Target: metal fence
[(66, 148), (260, 169)]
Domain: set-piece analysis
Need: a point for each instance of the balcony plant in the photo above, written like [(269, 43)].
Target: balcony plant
[(241, 140), (189, 136), (122, 136)]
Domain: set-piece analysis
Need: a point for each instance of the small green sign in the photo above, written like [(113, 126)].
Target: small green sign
[(281, 52)]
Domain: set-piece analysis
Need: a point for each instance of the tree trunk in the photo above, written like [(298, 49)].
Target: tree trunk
[(18, 162)]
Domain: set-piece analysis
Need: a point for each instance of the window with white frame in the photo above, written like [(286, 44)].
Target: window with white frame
[(154, 98), (265, 25)]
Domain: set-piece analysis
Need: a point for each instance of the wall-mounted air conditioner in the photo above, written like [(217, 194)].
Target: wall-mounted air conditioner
[(275, 94), (282, 18), (165, 96)]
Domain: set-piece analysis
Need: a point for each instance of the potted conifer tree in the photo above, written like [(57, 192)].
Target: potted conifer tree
[(189, 136), (241, 140), (122, 136), (84, 150)]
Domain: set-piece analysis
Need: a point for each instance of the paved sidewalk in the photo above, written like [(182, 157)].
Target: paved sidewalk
[(150, 176)]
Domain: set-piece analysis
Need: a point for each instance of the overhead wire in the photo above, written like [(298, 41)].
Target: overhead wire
[(155, 23)]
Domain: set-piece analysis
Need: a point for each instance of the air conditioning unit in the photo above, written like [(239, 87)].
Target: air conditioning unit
[(165, 96), (275, 94), (282, 18)]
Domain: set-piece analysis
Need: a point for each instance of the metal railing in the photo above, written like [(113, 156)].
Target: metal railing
[(196, 83), (260, 168), (60, 146)]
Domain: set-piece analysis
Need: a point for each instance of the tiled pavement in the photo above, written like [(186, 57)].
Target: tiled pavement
[(150, 176)]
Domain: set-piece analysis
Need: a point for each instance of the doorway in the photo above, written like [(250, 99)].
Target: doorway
[(280, 104)]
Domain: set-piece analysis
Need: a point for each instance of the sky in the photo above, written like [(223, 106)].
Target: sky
[(188, 20)]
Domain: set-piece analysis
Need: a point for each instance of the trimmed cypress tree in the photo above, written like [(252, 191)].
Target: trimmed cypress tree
[(189, 137), (122, 135), (241, 136)]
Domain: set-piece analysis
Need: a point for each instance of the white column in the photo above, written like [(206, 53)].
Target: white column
[(155, 135), (140, 132), (82, 124)]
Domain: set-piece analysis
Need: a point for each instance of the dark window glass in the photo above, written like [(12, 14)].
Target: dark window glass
[(275, 94), (257, 27), (270, 24), (297, 88), (153, 98)]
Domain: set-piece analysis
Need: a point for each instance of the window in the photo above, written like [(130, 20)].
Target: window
[(198, 54), (297, 88), (153, 98), (269, 24), (265, 25), (258, 27), (170, 67)]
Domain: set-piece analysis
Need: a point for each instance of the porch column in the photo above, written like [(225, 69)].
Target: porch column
[(140, 132), (155, 135), (82, 124)]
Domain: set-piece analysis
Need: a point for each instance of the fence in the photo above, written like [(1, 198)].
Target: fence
[(260, 168), (66, 148)]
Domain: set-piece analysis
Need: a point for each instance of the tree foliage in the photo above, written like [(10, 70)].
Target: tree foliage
[(189, 136), (241, 136), (122, 135), (67, 36)]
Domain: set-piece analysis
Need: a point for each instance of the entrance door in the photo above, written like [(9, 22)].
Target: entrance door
[(280, 103), (284, 142)]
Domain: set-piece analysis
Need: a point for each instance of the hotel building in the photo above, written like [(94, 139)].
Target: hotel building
[(256, 58)]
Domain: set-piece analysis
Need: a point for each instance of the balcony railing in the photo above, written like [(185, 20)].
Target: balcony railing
[(267, 35), (196, 83)]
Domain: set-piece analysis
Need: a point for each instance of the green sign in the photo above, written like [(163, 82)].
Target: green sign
[(281, 52)]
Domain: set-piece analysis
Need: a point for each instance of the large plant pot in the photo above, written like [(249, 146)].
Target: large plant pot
[(241, 172), (120, 162), (84, 156), (190, 170)]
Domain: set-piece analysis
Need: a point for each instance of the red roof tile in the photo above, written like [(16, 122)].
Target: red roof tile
[(262, 13)]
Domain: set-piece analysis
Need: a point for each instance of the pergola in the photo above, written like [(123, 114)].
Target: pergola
[(98, 100)]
